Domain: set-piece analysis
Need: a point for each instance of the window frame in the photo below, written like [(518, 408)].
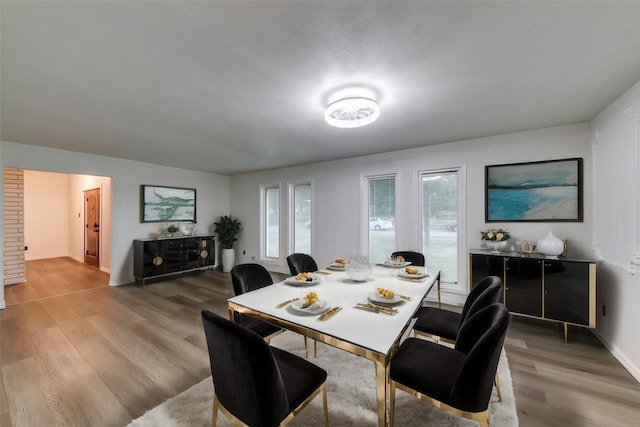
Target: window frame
[(264, 225), (364, 204), (292, 215), (458, 287)]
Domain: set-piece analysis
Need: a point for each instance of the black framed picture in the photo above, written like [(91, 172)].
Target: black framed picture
[(543, 191), (164, 204)]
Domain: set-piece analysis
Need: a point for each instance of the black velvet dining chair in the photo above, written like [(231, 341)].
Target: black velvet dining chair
[(301, 263), (249, 277), (255, 384), (458, 380), (443, 325), (246, 278), (415, 258)]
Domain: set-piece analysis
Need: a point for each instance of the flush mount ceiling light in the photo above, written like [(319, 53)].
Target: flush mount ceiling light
[(352, 112)]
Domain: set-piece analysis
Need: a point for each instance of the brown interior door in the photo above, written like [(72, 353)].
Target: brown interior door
[(92, 227)]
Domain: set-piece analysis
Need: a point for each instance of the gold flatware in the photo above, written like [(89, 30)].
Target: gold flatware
[(282, 304), (367, 307), (329, 313), (377, 308), (321, 272), (383, 308), (404, 297)]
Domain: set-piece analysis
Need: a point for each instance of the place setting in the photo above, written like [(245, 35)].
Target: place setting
[(304, 279), (310, 305), (413, 274), (383, 301), (395, 262), (339, 264)]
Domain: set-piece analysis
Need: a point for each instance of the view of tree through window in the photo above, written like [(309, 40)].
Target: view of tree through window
[(440, 223), (382, 217), (302, 218), (272, 222)]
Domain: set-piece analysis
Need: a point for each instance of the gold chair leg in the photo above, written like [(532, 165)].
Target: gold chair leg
[(214, 416), (326, 407), (392, 402), (498, 388)]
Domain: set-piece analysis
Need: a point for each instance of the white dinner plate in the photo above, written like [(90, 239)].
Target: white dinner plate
[(395, 264), (337, 266), (419, 275), (376, 297), (314, 309), (293, 281)]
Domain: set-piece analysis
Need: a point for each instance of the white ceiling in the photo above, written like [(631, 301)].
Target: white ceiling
[(238, 86)]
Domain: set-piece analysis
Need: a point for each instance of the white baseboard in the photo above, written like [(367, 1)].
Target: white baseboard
[(620, 356)]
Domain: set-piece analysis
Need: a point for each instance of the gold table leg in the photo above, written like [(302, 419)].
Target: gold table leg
[(382, 375)]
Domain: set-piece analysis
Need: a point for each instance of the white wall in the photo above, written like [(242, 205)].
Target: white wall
[(46, 215), (337, 212), (618, 289), (127, 176)]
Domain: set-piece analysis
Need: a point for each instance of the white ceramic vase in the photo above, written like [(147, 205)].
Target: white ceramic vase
[(228, 259), (550, 245)]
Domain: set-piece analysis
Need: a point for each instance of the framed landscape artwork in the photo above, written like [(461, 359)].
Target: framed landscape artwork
[(164, 204), (545, 191)]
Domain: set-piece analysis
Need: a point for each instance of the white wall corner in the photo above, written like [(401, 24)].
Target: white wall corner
[(634, 264), (633, 113), (619, 355), (595, 142)]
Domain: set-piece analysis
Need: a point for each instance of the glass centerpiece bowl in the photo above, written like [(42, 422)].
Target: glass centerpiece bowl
[(496, 245), (358, 269)]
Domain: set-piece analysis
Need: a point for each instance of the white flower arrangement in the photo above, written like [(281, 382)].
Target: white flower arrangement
[(496, 235)]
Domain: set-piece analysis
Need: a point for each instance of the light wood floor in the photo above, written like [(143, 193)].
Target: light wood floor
[(52, 277), (106, 355)]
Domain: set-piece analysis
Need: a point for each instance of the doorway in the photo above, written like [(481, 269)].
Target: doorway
[(54, 244), (92, 227)]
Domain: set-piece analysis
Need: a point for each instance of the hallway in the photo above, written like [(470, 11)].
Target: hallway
[(51, 277)]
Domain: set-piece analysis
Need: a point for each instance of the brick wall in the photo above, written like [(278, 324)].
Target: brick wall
[(13, 226)]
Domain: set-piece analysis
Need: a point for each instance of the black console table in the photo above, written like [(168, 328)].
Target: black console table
[(162, 257), (552, 288)]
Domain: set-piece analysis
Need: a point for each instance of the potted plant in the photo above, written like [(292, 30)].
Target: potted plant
[(172, 229), (227, 229)]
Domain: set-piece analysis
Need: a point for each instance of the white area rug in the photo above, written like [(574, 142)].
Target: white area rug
[(351, 397)]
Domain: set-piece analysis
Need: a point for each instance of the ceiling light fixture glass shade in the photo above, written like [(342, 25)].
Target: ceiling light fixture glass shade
[(352, 112)]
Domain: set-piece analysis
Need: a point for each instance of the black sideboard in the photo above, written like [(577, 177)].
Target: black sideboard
[(552, 288), (161, 257)]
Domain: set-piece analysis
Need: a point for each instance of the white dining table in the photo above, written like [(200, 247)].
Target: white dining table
[(366, 333)]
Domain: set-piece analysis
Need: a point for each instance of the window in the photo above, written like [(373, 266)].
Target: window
[(271, 222), (301, 214), (440, 222), (381, 209)]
